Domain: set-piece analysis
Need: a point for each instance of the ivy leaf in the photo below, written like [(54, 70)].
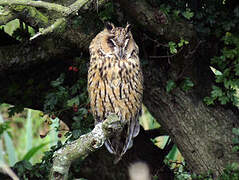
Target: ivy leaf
[(4, 126), (172, 47), (72, 101), (209, 100), (187, 84), (83, 111), (216, 92), (223, 99), (170, 85), (236, 69), (235, 131), (58, 81), (188, 14)]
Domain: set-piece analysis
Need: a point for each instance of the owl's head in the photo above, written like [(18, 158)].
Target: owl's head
[(119, 40)]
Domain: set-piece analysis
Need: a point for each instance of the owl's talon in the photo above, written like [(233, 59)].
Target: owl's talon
[(113, 124)]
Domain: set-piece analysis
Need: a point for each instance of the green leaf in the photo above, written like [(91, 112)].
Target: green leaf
[(182, 42), (209, 100), (4, 126), (58, 81), (188, 14), (235, 131), (33, 151), (235, 148), (223, 99), (216, 92), (236, 69), (72, 101), (83, 111), (170, 85), (187, 84), (172, 47)]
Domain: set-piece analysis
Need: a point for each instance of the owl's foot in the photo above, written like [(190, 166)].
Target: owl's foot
[(112, 124)]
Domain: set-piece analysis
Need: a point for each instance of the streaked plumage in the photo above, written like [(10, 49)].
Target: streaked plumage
[(115, 83)]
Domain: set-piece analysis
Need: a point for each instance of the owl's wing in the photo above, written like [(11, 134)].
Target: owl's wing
[(120, 143)]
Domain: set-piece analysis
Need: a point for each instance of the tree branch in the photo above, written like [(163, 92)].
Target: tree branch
[(83, 146), (40, 4), (31, 16), (58, 24), (6, 16), (156, 22)]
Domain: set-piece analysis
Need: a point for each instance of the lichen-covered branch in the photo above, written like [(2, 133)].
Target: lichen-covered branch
[(31, 16), (58, 21), (59, 25), (50, 6), (83, 146), (6, 16)]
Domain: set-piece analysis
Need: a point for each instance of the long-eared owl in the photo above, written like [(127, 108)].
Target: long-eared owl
[(115, 83)]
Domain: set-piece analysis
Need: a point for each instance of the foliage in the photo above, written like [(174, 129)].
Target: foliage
[(185, 85), (25, 170), (170, 85), (231, 172), (16, 139), (107, 14), (33, 151), (235, 140), (71, 97), (227, 77), (173, 46), (4, 127)]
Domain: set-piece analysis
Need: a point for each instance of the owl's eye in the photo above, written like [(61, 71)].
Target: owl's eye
[(127, 36)]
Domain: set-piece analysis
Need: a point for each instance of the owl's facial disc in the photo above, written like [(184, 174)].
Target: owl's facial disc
[(118, 39)]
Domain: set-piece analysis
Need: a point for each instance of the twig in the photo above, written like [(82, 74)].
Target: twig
[(58, 23), (190, 53), (6, 169), (168, 56), (74, 8), (83, 146)]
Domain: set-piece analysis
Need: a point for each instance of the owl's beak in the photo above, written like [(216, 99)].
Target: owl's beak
[(121, 53)]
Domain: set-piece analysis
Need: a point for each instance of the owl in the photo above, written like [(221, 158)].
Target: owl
[(115, 83)]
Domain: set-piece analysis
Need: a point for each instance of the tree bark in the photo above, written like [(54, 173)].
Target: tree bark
[(203, 134)]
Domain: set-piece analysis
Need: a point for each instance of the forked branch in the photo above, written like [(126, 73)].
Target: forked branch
[(83, 146)]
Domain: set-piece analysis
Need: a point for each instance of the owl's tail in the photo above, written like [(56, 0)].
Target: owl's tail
[(123, 141)]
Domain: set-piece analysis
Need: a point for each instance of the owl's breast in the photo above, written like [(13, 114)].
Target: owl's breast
[(115, 87)]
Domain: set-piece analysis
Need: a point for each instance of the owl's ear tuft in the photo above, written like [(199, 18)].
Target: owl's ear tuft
[(109, 26), (128, 27)]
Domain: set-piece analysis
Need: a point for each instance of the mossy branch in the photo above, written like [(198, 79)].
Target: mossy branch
[(59, 24), (40, 4), (59, 21), (6, 16), (83, 146)]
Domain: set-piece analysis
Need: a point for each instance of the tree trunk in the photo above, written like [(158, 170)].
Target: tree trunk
[(203, 134)]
